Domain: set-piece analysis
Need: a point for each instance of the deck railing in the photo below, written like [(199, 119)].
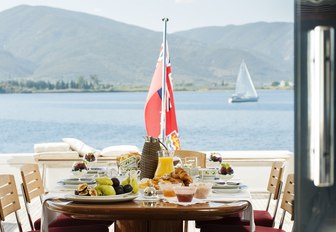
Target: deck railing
[(252, 167)]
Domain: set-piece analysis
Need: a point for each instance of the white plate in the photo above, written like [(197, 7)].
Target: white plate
[(101, 199), (225, 188), (237, 190), (75, 181)]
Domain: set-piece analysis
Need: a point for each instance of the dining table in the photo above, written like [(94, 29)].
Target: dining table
[(142, 214)]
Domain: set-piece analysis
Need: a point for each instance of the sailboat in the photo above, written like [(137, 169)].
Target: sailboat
[(245, 91)]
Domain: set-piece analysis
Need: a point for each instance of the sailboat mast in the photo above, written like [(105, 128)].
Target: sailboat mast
[(163, 93)]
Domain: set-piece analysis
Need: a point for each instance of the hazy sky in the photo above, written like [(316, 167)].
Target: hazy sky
[(182, 14)]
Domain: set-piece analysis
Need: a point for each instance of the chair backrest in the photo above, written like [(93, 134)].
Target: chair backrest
[(287, 203), (275, 179), (201, 157), (9, 199), (31, 181), (32, 187), (274, 185)]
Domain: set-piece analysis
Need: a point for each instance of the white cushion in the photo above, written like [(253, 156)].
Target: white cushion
[(119, 150), (51, 147), (58, 154), (79, 146)]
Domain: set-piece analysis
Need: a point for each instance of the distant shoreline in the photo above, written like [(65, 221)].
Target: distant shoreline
[(117, 90)]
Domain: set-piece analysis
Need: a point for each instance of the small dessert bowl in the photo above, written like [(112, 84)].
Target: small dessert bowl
[(168, 188), (208, 173), (79, 169), (226, 177), (185, 193), (202, 190)]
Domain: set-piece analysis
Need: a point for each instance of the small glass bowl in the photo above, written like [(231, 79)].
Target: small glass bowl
[(90, 158), (225, 177), (202, 190), (79, 169), (185, 193), (208, 173), (168, 188)]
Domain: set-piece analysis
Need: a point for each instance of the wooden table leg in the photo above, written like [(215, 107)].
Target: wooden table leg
[(148, 226)]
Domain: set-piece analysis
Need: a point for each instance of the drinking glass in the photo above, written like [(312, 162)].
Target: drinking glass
[(191, 165)]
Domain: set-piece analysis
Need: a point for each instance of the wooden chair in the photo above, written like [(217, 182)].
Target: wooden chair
[(287, 205), (32, 187), (10, 203), (9, 199), (261, 217), (201, 162), (201, 157)]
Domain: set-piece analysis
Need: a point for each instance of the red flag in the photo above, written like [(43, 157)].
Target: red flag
[(153, 105)]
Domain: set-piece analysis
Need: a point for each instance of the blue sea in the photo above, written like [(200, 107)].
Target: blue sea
[(206, 120)]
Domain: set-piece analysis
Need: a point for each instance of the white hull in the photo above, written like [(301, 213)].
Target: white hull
[(236, 99)]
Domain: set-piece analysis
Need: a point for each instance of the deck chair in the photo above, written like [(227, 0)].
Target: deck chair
[(10, 203), (32, 187), (287, 205), (261, 217), (201, 157)]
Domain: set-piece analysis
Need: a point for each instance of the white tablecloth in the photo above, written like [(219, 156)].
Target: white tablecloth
[(244, 195), (48, 216)]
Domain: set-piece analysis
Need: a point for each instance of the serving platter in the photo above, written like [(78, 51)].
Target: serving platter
[(101, 199)]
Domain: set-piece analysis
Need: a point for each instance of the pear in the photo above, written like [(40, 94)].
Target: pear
[(103, 181), (135, 185), (106, 190), (126, 181), (99, 191)]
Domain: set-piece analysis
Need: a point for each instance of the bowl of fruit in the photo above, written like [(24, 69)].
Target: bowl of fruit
[(225, 172), (90, 158), (214, 159), (79, 169)]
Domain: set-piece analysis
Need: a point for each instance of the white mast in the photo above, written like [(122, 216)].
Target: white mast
[(164, 73)]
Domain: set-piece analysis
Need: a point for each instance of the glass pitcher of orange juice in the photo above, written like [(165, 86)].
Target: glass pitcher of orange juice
[(165, 163)]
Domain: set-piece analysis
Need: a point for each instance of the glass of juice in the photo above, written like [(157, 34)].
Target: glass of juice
[(165, 163)]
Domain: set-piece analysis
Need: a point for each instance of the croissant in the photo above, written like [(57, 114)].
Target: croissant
[(179, 175)]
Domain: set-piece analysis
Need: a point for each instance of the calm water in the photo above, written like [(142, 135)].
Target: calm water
[(206, 121)]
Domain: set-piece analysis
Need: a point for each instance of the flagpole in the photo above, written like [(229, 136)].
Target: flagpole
[(163, 93)]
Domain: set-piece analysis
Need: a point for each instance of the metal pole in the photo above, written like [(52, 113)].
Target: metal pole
[(163, 93)]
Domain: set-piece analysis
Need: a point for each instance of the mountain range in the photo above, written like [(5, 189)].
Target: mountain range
[(44, 43)]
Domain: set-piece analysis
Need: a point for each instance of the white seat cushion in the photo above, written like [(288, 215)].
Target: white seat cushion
[(51, 147), (119, 150)]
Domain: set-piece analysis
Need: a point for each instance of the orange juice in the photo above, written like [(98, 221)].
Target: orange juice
[(165, 166)]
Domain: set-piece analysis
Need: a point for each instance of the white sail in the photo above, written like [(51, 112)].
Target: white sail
[(245, 91)]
